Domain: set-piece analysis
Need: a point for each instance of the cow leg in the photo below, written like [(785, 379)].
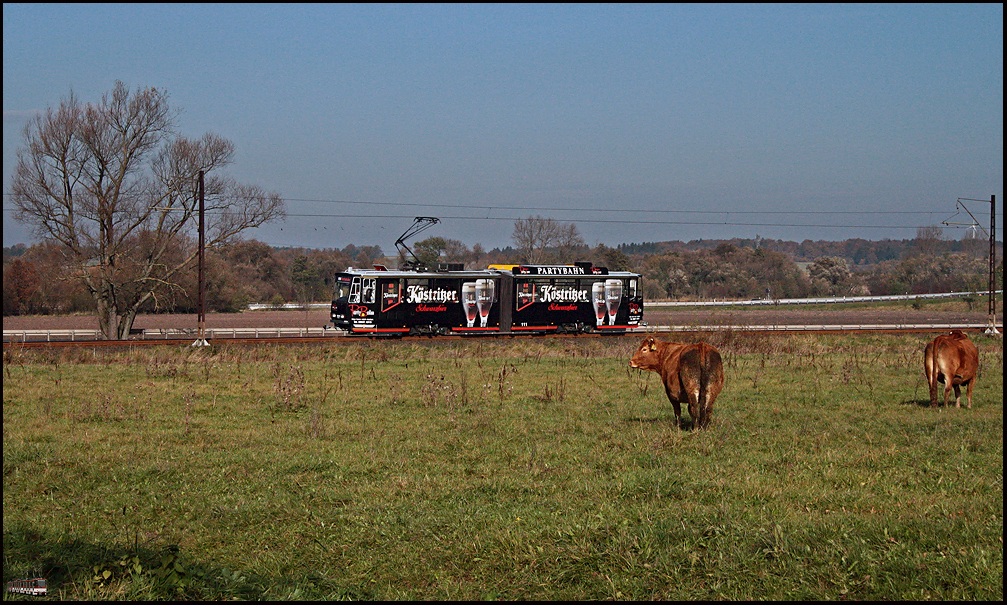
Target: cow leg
[(958, 396), (706, 412), (690, 389), (706, 401), (678, 413), (935, 389), (696, 407), (702, 407), (671, 389)]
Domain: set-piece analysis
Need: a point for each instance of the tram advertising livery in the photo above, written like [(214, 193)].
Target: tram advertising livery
[(503, 299)]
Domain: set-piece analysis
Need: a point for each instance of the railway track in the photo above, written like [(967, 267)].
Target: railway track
[(253, 336)]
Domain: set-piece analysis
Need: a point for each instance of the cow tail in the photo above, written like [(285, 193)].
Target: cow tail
[(716, 378), (708, 373), (930, 370), (935, 371), (704, 376), (941, 344)]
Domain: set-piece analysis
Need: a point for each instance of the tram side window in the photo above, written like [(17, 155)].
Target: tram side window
[(414, 289), (632, 288), (391, 293), (525, 293), (369, 290), (446, 289), (445, 284)]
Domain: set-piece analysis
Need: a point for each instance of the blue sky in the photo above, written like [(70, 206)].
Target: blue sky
[(636, 122)]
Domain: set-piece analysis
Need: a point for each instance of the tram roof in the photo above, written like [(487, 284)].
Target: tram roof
[(420, 274), (581, 270)]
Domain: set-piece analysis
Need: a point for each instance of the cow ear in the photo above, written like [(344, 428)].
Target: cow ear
[(653, 345)]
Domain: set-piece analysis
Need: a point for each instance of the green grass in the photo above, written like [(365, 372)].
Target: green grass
[(542, 469)]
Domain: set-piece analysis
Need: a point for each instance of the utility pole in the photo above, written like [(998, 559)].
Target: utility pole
[(992, 327), (991, 315), (200, 309)]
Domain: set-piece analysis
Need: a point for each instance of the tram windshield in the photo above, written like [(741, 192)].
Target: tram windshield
[(346, 287)]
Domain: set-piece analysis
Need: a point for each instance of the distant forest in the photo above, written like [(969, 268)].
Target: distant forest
[(36, 280), (857, 252)]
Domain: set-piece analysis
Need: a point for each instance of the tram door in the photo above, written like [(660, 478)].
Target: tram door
[(506, 290)]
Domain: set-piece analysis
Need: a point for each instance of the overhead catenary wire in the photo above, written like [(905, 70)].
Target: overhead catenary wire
[(611, 221), (582, 212), (575, 209)]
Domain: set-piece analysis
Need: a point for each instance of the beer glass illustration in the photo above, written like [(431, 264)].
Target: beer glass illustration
[(469, 302), (613, 296), (598, 302), (484, 290)]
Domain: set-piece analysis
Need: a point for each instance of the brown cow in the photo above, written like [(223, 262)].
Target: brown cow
[(952, 360), (692, 374)]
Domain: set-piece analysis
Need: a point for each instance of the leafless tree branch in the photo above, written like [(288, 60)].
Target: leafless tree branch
[(115, 186)]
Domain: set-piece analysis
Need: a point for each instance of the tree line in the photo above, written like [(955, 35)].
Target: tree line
[(36, 279)]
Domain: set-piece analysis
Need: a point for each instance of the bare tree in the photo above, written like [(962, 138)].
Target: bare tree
[(477, 254), (534, 235), (928, 239), (115, 187), (20, 287)]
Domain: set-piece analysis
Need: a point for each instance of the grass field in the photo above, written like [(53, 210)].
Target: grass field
[(499, 469)]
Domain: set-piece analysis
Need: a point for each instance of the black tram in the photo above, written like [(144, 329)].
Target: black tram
[(503, 299)]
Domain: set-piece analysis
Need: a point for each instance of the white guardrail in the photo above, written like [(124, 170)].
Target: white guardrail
[(287, 306), (812, 328), (166, 334), (813, 301)]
